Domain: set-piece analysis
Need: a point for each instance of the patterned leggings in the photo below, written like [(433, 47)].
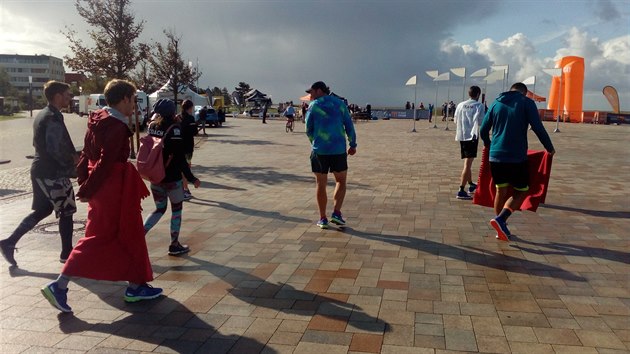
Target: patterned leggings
[(161, 194)]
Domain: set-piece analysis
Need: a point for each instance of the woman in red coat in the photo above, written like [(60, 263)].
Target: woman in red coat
[(114, 246)]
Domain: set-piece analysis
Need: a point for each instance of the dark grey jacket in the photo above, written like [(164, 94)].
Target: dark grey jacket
[(54, 152)]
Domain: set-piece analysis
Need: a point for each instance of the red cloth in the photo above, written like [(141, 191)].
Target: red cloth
[(114, 246), (539, 163)]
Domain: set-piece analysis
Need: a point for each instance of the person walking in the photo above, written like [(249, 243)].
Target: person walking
[(189, 130), (203, 115), (508, 117), (165, 127), (53, 165), (468, 117), (328, 122), (114, 246)]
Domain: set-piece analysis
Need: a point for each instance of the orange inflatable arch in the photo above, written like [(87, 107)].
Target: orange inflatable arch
[(567, 92)]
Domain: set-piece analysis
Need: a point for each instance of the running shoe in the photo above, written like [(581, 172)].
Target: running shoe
[(143, 292), (463, 195), (57, 297), (7, 251), (323, 223), (187, 195), (337, 219), (178, 249), (501, 228), (472, 188)]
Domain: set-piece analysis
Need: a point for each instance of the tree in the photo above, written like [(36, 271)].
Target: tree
[(6, 89), (168, 65), (144, 78), (241, 90), (114, 32), (226, 96)]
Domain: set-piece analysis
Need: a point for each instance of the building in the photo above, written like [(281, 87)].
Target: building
[(42, 68)]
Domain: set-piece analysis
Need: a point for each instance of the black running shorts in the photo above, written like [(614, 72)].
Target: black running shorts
[(514, 174), (469, 148), (329, 163)]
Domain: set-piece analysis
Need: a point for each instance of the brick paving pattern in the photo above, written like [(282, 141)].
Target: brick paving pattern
[(415, 270)]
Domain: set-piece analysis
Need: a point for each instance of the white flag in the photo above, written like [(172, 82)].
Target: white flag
[(495, 76), (500, 68), (432, 73), (480, 73), (443, 77), (461, 72), (411, 81), (530, 80)]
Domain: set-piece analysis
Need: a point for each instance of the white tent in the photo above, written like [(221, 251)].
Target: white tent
[(185, 93)]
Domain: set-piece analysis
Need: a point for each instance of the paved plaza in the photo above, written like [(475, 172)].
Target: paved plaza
[(415, 270)]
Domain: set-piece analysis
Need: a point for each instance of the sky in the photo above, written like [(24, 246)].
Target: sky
[(365, 50)]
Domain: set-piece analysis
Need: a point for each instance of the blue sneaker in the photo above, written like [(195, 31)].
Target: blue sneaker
[(57, 297), (323, 223), (472, 188), (463, 195), (503, 233), (143, 292), (337, 219)]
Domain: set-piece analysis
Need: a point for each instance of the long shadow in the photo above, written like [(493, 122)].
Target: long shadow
[(599, 213), (285, 298), (247, 211), (211, 185), (165, 323), (15, 272), (565, 249), (266, 176), (472, 255), (245, 142)]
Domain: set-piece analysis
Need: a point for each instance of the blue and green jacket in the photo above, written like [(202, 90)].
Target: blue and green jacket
[(328, 122), (509, 117)]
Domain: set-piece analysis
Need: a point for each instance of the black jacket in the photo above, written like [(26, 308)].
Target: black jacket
[(173, 152), (189, 130)]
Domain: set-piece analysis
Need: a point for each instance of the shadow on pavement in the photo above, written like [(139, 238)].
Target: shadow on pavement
[(15, 271), (260, 175), (599, 213), (280, 297), (211, 185), (472, 255), (165, 323), (247, 211), (564, 249)]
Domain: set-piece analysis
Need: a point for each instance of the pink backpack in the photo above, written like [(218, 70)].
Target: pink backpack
[(149, 161)]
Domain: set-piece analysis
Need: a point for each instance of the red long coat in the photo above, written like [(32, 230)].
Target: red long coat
[(114, 246)]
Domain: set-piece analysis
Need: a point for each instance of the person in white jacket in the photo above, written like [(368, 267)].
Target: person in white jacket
[(468, 117)]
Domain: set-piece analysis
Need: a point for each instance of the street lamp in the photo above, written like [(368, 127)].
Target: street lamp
[(30, 94), (556, 72), (413, 81)]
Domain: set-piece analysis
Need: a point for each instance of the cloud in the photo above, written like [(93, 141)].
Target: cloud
[(606, 10), (606, 62), (16, 36)]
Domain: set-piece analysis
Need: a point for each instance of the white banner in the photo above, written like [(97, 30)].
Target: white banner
[(530, 80), (552, 71), (503, 68), (411, 81), (443, 77), (432, 73), (495, 76), (461, 72), (480, 73)]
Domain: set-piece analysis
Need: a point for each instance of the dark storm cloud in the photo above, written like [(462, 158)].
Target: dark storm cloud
[(606, 10), (365, 50)]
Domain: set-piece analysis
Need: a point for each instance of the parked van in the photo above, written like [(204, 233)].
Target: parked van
[(89, 103)]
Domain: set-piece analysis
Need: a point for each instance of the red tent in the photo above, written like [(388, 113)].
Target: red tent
[(535, 97)]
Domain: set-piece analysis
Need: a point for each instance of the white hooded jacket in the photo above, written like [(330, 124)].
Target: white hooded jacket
[(468, 117)]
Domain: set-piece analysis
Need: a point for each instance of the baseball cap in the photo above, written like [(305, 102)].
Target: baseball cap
[(318, 85), (165, 107)]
